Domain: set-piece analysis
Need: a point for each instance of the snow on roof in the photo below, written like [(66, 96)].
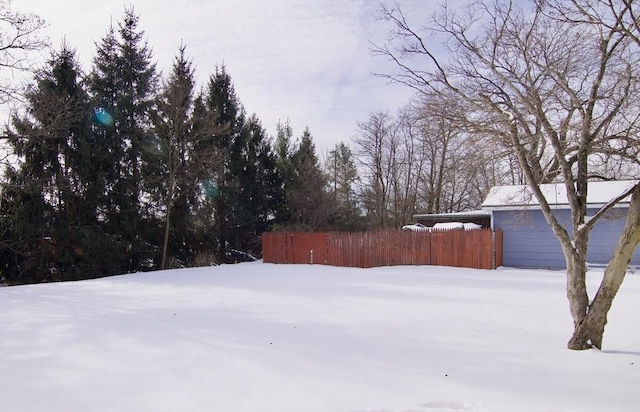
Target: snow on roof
[(471, 213), (521, 197)]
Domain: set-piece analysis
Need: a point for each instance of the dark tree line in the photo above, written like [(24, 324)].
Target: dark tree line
[(124, 169), (121, 169)]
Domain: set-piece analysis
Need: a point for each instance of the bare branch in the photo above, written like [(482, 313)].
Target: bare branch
[(588, 225), (19, 36)]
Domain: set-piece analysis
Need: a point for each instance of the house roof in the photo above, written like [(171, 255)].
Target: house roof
[(469, 214), (521, 196), (482, 217)]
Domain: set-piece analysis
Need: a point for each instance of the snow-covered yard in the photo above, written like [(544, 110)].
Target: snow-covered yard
[(264, 337)]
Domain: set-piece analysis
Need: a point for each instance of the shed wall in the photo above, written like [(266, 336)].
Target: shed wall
[(530, 243)]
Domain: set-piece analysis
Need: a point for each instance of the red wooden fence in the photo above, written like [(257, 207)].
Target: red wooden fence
[(480, 249)]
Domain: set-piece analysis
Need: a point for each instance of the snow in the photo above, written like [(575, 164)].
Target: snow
[(448, 225), (265, 337), (416, 227), (467, 214), (598, 194)]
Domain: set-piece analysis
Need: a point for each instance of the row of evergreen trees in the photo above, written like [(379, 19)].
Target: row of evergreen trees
[(121, 170)]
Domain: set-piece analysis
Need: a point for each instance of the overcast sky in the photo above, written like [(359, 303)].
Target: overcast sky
[(307, 61)]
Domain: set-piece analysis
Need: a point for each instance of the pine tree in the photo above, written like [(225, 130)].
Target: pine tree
[(307, 196), (44, 199), (104, 86), (208, 156), (284, 147), (224, 107), (343, 176), (247, 195), (106, 159), (123, 83), (170, 160), (138, 77), (255, 192)]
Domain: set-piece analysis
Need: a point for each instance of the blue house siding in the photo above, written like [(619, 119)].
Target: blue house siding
[(529, 242)]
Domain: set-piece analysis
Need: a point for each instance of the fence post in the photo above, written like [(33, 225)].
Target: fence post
[(496, 246), (493, 249)]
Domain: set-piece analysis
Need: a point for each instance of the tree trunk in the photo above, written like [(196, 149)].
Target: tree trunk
[(165, 241), (588, 333), (167, 224), (576, 282)]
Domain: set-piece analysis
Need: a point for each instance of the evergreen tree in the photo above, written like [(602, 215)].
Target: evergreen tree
[(307, 196), (123, 84), (104, 85), (224, 107), (208, 156), (284, 148), (44, 199), (343, 176), (138, 77), (247, 194), (107, 154), (255, 188), (169, 158)]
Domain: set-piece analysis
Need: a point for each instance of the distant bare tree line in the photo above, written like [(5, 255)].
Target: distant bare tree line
[(423, 160)]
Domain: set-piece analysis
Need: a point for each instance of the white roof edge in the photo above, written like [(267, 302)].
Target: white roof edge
[(469, 213), (521, 197), (552, 207)]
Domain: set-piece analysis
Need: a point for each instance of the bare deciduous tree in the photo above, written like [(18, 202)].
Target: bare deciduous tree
[(420, 161), (615, 15), (18, 37), (450, 161), (556, 92), (372, 148), (406, 167), (389, 152)]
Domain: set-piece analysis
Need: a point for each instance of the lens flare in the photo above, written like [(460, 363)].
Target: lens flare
[(209, 189), (103, 117)]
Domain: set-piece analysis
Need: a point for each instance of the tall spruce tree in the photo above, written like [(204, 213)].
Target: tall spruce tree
[(208, 156), (178, 160), (139, 80), (284, 148), (223, 105), (170, 161), (108, 151), (104, 86), (246, 187), (343, 176), (255, 188), (44, 198), (307, 196), (123, 83)]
